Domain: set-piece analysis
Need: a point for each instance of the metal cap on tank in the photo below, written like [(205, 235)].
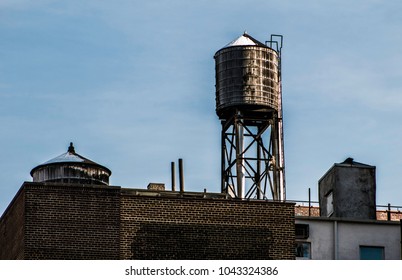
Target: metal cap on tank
[(71, 167), (247, 77)]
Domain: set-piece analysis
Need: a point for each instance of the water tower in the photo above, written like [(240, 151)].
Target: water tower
[(71, 167), (249, 105)]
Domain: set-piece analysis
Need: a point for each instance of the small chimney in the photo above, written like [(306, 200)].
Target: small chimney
[(156, 187)]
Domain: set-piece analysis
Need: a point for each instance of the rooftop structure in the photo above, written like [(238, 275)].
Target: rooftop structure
[(71, 167)]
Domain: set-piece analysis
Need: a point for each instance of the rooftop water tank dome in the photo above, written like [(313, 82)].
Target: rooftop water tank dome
[(71, 167)]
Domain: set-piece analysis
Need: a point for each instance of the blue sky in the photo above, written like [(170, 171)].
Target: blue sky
[(131, 83)]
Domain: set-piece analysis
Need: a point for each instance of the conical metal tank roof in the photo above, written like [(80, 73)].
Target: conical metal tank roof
[(71, 167), (245, 40)]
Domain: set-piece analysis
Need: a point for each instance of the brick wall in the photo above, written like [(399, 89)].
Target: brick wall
[(382, 215), (71, 222), (62, 221), (185, 228), (12, 229), (301, 210)]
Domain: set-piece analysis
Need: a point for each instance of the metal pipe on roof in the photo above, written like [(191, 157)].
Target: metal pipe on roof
[(309, 202), (389, 212), (173, 170), (181, 175)]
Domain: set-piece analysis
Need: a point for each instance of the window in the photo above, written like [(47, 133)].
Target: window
[(330, 203), (302, 231), (372, 253), (303, 250)]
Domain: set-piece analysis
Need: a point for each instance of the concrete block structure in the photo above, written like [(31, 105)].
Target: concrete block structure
[(348, 189)]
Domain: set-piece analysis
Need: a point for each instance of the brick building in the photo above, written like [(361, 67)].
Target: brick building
[(69, 211), (74, 221)]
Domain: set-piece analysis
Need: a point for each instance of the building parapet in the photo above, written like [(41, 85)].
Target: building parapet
[(390, 213)]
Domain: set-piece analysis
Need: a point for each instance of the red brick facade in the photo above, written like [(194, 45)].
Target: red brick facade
[(382, 215), (60, 221)]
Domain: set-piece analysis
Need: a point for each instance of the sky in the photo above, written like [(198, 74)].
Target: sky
[(132, 84)]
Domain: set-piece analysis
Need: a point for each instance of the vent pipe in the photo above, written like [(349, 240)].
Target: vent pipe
[(309, 202), (173, 170), (181, 175), (389, 212)]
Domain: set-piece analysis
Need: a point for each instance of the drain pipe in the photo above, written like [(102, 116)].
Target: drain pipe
[(336, 241)]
